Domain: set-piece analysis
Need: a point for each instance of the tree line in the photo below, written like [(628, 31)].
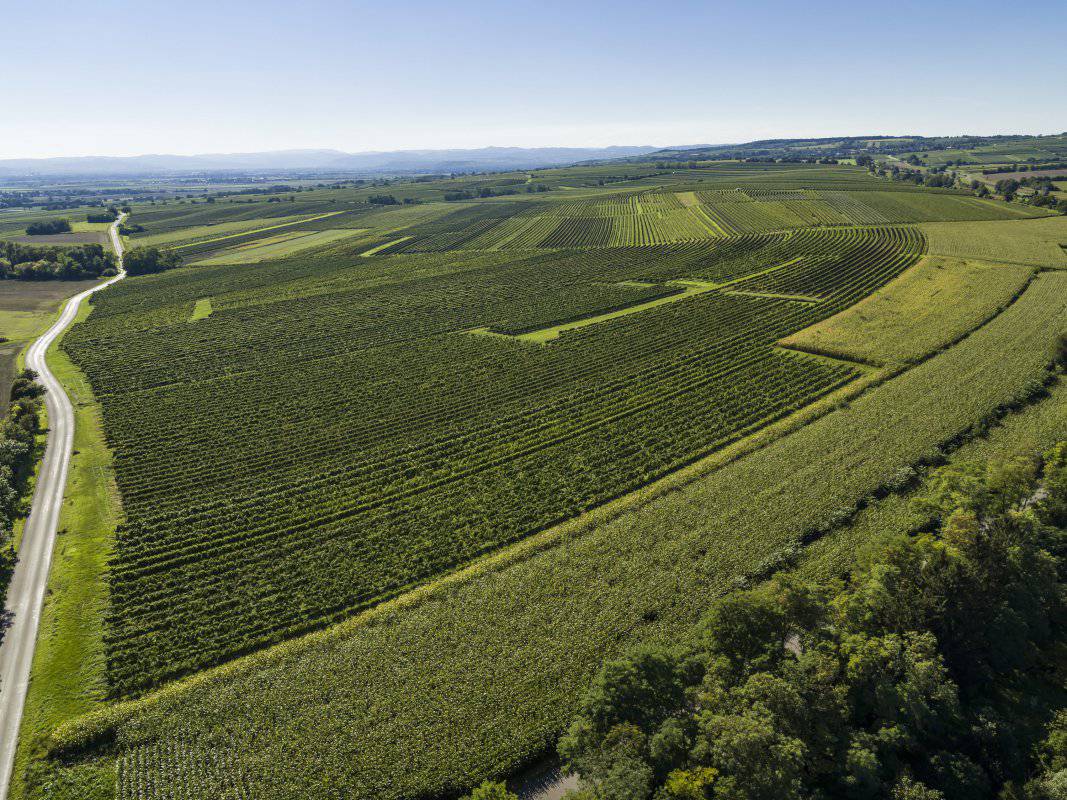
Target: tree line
[(48, 227), (1007, 188), (149, 260), (109, 214), (18, 453), (36, 263), (935, 671)]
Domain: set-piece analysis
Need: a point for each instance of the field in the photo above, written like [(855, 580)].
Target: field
[(490, 664), (26, 310), (404, 475), (935, 302), (13, 222), (1033, 429), (1037, 242), (69, 239), (430, 462), (1035, 149), (181, 237), (278, 246)]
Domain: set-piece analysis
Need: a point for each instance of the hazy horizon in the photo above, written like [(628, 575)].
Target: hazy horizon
[(136, 79), (568, 146)]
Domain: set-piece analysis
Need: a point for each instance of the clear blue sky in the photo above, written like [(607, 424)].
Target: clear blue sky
[(119, 78)]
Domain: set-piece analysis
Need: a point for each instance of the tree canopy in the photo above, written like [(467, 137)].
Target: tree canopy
[(18, 451), (48, 227), (918, 677), (35, 263), (147, 260)]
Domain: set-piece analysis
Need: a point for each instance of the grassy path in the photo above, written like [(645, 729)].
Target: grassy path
[(690, 289)]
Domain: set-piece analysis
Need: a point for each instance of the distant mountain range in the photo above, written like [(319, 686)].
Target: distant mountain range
[(398, 161)]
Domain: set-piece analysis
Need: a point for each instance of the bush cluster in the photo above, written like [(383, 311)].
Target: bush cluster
[(46, 228), (148, 260)]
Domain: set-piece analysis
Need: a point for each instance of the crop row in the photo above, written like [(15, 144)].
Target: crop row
[(429, 492), (435, 697), (330, 434)]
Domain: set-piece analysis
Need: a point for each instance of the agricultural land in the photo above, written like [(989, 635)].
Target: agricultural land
[(368, 488)]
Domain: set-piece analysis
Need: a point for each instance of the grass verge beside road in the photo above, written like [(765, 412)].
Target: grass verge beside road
[(67, 679)]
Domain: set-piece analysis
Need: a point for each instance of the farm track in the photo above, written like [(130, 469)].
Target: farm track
[(25, 596)]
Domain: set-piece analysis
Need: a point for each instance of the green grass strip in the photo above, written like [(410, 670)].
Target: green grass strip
[(67, 678), (257, 230), (202, 309), (379, 248)]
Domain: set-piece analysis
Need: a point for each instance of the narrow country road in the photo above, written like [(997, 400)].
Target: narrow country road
[(25, 595)]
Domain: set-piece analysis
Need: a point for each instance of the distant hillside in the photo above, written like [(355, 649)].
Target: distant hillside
[(399, 161), (939, 149)]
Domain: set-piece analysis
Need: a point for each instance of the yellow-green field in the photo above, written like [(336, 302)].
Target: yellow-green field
[(1036, 241), (279, 247), (217, 230), (925, 309), (202, 309)]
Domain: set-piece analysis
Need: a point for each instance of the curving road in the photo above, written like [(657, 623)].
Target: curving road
[(25, 595)]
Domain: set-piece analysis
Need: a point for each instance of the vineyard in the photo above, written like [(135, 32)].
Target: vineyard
[(332, 433), (337, 403), (490, 665), (657, 217), (406, 457)]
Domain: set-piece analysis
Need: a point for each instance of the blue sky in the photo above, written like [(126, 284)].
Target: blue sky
[(120, 78)]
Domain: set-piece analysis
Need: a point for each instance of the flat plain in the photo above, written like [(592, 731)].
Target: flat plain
[(346, 508)]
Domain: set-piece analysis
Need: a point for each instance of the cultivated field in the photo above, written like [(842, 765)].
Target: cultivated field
[(492, 664), (415, 469), (1038, 242), (26, 310), (934, 303)]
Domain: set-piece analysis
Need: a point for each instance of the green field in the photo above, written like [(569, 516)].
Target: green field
[(183, 237), (376, 520), (27, 308), (1036, 242), (278, 246), (13, 222), (407, 480), (410, 677)]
